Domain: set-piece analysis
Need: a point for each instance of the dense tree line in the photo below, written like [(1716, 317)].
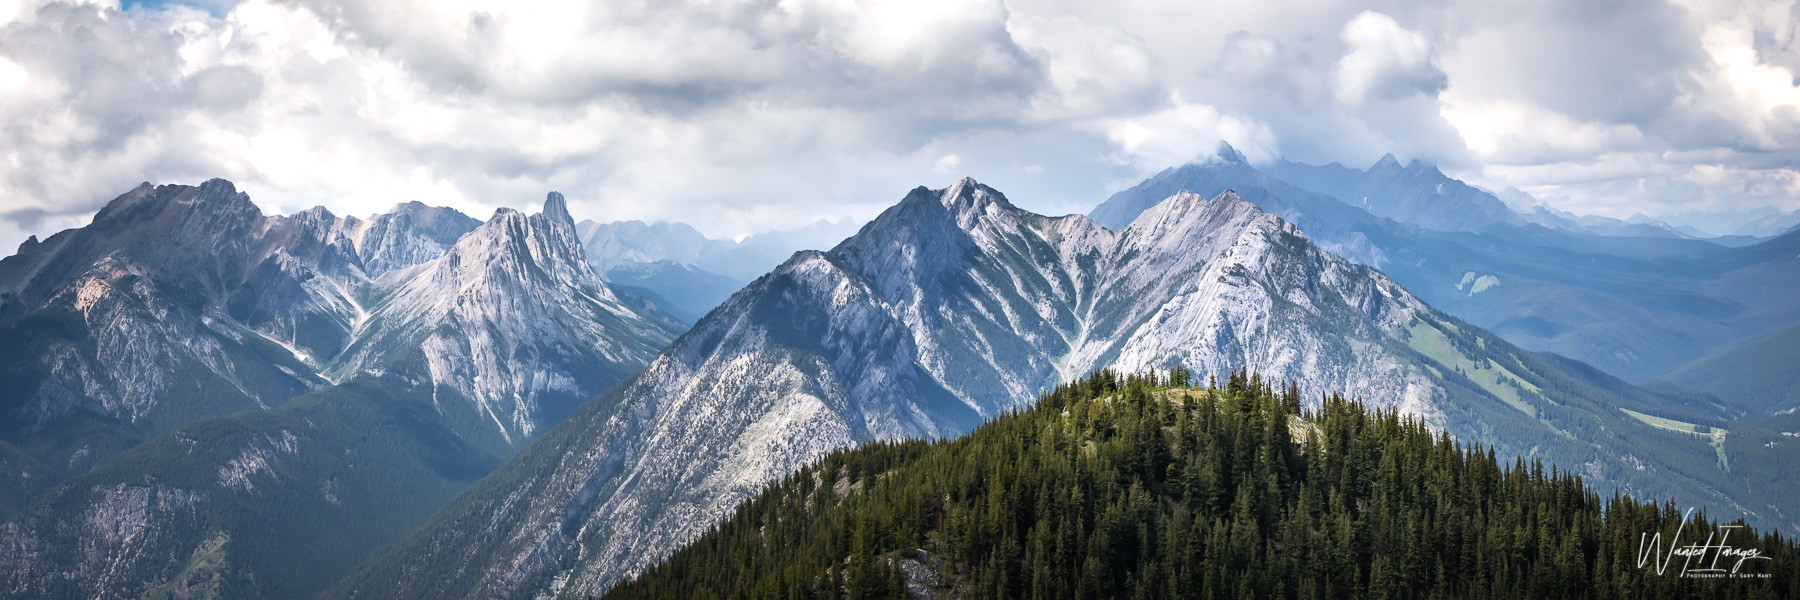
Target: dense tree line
[(1145, 487)]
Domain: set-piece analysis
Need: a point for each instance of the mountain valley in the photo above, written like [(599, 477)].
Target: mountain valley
[(954, 307), (424, 347), (239, 423), (1637, 307)]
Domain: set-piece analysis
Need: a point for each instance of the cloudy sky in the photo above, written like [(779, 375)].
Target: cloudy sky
[(747, 116)]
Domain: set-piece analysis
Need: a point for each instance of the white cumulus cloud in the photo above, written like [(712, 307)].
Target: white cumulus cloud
[(746, 116)]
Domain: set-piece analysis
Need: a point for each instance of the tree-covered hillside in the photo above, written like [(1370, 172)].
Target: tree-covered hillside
[(259, 504), (1144, 487)]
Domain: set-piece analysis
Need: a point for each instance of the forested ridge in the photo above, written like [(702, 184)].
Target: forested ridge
[(1143, 486)]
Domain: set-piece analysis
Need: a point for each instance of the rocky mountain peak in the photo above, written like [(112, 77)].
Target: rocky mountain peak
[(410, 206), (219, 198), (1425, 169), (316, 213), (501, 316), (515, 246), (1185, 209), (968, 198), (949, 307), (1171, 208), (315, 225), (1229, 202), (172, 205), (138, 195), (411, 234), (1228, 154), (557, 209), (200, 237), (929, 229)]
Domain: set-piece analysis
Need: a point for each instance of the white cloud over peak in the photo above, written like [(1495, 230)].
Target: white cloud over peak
[(1185, 132), (1385, 62), (745, 116)]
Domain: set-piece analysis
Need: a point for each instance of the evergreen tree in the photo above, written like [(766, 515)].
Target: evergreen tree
[(1136, 486)]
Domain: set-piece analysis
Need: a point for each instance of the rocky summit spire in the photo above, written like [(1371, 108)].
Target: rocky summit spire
[(1226, 153), (968, 195), (557, 209)]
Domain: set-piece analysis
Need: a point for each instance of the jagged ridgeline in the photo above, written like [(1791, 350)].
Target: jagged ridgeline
[(1145, 487)]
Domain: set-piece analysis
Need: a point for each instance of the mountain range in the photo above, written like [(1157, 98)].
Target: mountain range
[(179, 303), (1636, 307), (428, 346), (683, 272), (953, 307), (1772, 225), (201, 399)]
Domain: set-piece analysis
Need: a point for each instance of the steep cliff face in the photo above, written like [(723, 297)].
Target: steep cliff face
[(112, 332), (118, 356), (512, 319), (181, 295), (305, 290), (1637, 307), (949, 308), (433, 346), (411, 234), (201, 239), (1231, 287), (180, 303)]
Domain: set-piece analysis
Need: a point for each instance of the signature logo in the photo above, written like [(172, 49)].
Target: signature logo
[(1707, 559)]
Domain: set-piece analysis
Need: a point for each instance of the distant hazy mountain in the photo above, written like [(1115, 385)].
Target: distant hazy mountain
[(1421, 195), (685, 273), (1637, 226), (1762, 373), (1637, 307), (1334, 226), (954, 306), (1640, 225), (683, 291), (1415, 194), (455, 342), (609, 245), (1771, 225)]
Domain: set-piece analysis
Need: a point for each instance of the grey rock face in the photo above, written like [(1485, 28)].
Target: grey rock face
[(143, 342), (950, 307), (1636, 307), (510, 318), (180, 303), (112, 536), (1416, 193), (466, 339), (199, 238)]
